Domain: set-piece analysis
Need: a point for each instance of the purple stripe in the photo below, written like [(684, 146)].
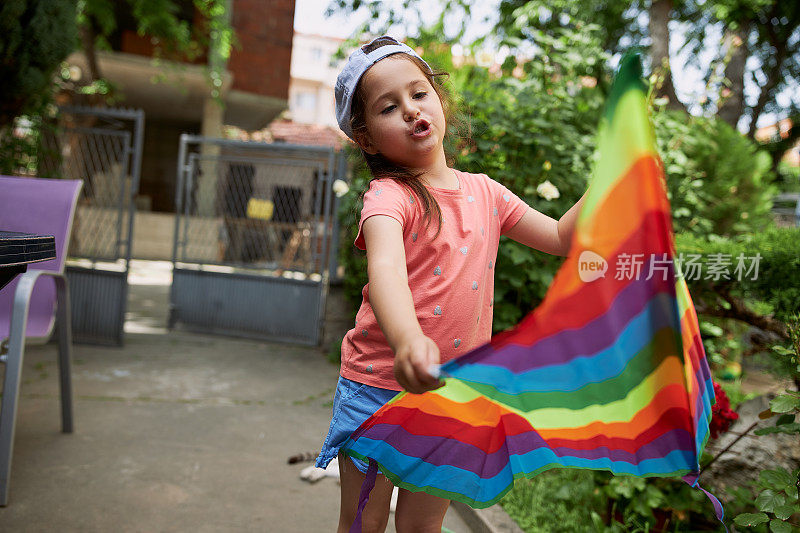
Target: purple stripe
[(441, 451), (562, 347)]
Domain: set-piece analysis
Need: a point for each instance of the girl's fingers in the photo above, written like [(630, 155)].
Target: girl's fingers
[(421, 366), (411, 366), (423, 376), (409, 379)]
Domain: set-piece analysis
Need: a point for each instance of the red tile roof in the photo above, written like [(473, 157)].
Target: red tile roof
[(283, 130)]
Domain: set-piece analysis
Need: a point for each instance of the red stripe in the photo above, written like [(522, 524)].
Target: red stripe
[(674, 418), (490, 438), (590, 301)]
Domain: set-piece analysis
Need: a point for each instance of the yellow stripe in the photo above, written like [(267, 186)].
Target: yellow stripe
[(621, 143), (668, 372)]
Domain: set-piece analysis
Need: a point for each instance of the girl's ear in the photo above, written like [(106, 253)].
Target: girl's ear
[(365, 142)]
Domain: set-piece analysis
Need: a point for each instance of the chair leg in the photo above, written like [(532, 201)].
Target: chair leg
[(63, 320), (8, 413)]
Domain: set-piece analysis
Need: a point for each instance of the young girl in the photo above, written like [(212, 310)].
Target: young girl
[(431, 235)]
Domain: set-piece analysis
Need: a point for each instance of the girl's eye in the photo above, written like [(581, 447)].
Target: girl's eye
[(421, 94), (387, 109)]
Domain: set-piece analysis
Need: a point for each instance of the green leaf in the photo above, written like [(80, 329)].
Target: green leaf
[(779, 526), (784, 403), (776, 479), (711, 329), (785, 511), (768, 499), (788, 429), (751, 519), (787, 418), (781, 350)]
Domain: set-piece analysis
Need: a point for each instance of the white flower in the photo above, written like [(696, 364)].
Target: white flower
[(548, 191), (484, 59), (340, 188)]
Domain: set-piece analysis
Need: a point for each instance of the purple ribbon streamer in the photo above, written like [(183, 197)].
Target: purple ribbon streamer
[(363, 497), (692, 480)]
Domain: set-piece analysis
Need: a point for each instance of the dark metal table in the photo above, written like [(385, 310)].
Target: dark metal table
[(18, 250)]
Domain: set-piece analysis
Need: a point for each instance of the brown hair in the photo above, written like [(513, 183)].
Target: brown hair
[(379, 166)]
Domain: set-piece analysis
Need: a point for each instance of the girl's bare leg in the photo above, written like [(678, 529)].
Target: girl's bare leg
[(376, 514), (418, 512)]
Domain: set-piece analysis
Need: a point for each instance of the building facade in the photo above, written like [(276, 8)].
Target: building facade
[(314, 72), (176, 96)]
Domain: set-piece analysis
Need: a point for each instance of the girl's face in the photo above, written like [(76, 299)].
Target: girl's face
[(404, 116)]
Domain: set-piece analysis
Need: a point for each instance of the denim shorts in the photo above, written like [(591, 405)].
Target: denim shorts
[(353, 403)]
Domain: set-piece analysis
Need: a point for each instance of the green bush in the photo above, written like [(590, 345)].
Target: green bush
[(353, 260), (549, 502), (778, 280), (719, 182)]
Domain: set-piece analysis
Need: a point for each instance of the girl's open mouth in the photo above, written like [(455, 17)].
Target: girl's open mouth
[(422, 128)]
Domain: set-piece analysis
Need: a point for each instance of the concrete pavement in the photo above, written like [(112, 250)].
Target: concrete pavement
[(174, 432)]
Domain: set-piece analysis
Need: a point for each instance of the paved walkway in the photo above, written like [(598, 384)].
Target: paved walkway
[(174, 432)]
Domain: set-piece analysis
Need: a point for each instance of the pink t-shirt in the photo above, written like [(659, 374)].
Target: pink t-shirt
[(451, 276)]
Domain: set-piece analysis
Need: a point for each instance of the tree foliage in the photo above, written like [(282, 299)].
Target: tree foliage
[(172, 36), (35, 37), (753, 43), (719, 181)]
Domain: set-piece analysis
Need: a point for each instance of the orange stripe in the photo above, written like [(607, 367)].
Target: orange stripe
[(618, 217), (484, 412)]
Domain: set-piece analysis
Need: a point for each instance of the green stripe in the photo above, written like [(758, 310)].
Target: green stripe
[(628, 77), (553, 418), (662, 344), (625, 135)]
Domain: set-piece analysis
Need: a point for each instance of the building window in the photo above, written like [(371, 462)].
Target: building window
[(316, 54), (305, 100)]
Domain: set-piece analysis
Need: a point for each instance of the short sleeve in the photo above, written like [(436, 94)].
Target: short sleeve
[(384, 197), (510, 207)]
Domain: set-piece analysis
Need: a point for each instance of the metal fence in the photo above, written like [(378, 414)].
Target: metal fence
[(253, 238), (786, 208), (102, 147)]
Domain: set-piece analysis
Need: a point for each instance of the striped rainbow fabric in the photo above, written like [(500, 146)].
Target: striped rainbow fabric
[(606, 374)]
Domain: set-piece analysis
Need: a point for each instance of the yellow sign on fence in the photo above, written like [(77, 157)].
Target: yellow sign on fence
[(258, 208)]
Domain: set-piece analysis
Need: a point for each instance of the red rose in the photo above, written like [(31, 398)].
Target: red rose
[(721, 415)]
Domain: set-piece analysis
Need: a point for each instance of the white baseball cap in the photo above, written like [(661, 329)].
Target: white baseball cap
[(357, 64)]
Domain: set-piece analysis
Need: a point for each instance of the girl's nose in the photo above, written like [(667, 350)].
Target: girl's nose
[(411, 113)]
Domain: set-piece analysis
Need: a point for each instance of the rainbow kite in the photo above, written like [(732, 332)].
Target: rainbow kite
[(608, 373)]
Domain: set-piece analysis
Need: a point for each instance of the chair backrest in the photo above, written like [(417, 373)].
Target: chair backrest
[(44, 207)]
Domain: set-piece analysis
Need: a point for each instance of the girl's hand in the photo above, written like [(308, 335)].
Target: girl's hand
[(412, 360)]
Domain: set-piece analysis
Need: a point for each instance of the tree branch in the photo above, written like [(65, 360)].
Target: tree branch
[(774, 77), (88, 38), (659, 50), (739, 311), (732, 106)]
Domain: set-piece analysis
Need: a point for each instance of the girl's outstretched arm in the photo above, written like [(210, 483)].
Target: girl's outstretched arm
[(393, 305), (544, 233)]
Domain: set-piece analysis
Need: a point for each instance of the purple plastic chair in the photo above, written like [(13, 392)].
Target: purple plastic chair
[(31, 303)]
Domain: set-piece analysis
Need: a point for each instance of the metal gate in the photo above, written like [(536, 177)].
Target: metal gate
[(102, 147), (253, 233)]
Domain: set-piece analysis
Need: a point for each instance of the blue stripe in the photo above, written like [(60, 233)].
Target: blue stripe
[(583, 369), (707, 399), (419, 473)]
